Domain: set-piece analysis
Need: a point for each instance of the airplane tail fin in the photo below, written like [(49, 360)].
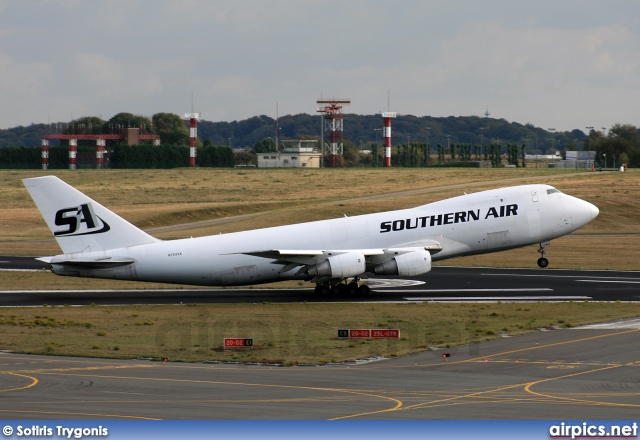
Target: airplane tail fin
[(78, 223)]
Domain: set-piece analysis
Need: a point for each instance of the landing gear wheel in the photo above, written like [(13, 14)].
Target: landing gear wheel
[(542, 261), (365, 290), (339, 289), (353, 289), (321, 289)]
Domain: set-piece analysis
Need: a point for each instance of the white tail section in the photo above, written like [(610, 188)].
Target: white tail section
[(79, 223)]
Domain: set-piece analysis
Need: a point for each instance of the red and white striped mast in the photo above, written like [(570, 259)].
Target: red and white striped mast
[(45, 154), (387, 137), (193, 136), (333, 125), (73, 153), (100, 146)]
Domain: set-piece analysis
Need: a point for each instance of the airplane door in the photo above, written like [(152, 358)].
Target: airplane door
[(237, 275), (498, 240), (533, 221)]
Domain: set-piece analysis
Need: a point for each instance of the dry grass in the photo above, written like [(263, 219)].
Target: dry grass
[(285, 333)]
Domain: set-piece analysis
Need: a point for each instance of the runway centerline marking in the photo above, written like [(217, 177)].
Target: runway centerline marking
[(609, 281), (595, 278), (524, 289), (498, 298)]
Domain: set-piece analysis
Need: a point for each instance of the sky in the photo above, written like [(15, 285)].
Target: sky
[(563, 64)]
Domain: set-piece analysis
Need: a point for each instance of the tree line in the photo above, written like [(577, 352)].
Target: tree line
[(120, 156), (620, 146), (469, 136), (358, 129)]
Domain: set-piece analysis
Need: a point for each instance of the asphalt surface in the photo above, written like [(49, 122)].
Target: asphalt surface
[(579, 373), (561, 375)]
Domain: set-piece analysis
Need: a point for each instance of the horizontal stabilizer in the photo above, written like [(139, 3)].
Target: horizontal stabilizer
[(93, 263)]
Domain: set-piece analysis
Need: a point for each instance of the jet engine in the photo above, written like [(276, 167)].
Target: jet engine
[(408, 264), (345, 265)]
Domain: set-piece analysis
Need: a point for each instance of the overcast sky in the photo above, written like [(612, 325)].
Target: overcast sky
[(555, 64)]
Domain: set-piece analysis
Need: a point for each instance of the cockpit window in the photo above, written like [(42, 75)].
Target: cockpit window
[(552, 190)]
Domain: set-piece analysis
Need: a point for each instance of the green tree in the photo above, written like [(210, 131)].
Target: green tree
[(375, 160), (614, 148), (246, 157), (86, 125), (265, 145), (626, 131), (128, 120), (351, 154), (171, 128)]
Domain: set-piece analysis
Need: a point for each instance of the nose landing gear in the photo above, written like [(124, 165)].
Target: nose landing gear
[(542, 261)]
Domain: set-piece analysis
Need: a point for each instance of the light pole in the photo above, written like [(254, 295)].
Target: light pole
[(428, 146), (481, 142), (552, 130), (376, 131), (589, 144)]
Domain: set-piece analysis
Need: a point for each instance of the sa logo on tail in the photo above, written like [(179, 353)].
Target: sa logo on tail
[(73, 219)]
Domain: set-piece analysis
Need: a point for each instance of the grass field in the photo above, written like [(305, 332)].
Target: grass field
[(283, 333), (163, 201)]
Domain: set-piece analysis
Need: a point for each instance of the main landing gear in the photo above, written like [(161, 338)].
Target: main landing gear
[(542, 261), (342, 287)]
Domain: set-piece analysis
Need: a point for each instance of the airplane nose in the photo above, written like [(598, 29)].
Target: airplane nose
[(584, 212), (594, 211), (579, 212)]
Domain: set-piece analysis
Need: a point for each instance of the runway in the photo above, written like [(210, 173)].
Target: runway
[(443, 283), (562, 374)]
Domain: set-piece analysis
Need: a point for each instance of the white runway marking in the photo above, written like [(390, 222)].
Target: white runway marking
[(591, 278), (524, 289), (633, 323), (382, 282), (610, 281), (499, 298)]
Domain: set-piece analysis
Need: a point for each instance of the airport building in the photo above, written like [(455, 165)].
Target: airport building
[(576, 160), (294, 154)]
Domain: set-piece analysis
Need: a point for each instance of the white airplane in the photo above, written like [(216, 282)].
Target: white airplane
[(335, 254)]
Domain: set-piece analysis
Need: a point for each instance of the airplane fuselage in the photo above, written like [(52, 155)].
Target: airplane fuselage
[(482, 222)]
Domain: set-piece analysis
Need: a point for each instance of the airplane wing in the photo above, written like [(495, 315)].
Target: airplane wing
[(325, 264)]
